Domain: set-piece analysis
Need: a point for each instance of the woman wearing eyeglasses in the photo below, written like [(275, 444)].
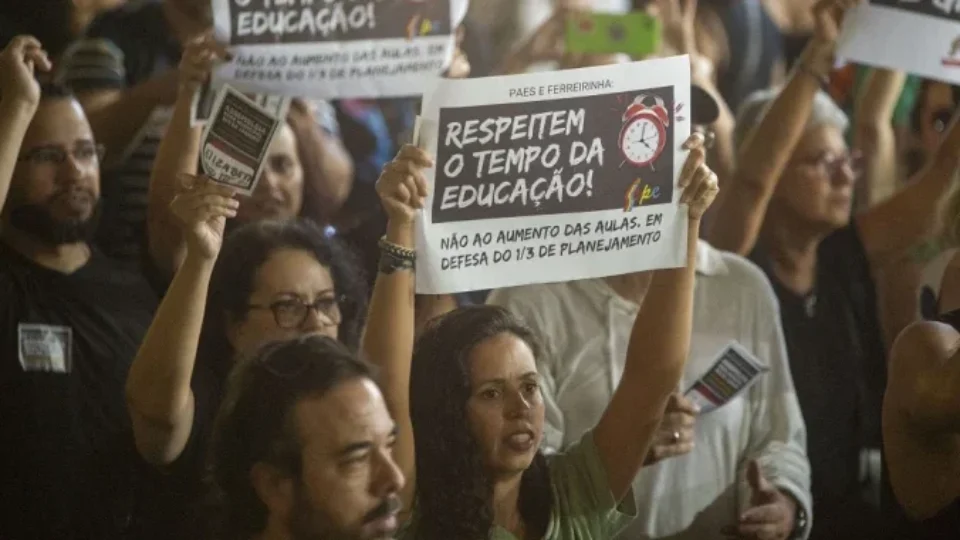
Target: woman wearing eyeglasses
[(272, 280), (790, 208)]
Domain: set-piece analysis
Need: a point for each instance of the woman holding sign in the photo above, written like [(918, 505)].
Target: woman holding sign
[(271, 280), (468, 393)]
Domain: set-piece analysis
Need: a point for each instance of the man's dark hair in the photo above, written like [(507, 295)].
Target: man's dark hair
[(244, 252), (454, 490), (256, 422)]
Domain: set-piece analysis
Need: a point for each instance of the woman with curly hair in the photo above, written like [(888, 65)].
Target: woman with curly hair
[(273, 280), (467, 401)]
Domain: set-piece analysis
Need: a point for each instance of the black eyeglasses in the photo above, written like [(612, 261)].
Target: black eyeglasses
[(85, 154), (291, 314)]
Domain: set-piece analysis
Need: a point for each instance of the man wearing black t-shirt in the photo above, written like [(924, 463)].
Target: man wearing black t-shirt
[(70, 324)]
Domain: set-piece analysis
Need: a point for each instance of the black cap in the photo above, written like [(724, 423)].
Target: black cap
[(704, 109)]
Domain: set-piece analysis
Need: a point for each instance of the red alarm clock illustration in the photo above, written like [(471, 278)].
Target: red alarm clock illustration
[(644, 132)]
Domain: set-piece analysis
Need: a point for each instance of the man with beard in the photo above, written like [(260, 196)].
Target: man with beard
[(302, 448), (70, 324)]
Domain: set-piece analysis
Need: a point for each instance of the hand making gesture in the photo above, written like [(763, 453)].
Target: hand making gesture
[(200, 55), (697, 181), (19, 63), (203, 206)]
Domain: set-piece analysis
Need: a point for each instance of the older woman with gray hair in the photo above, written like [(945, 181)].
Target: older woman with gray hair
[(789, 207)]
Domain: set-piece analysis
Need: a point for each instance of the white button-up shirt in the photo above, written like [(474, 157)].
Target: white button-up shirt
[(586, 327)]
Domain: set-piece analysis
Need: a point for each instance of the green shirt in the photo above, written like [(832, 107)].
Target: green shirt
[(583, 507)]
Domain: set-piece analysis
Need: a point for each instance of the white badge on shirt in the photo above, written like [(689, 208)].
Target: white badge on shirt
[(45, 347)]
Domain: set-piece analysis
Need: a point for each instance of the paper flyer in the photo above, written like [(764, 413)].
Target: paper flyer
[(335, 49), (553, 176), (920, 37), (733, 373), (237, 136), (206, 96)]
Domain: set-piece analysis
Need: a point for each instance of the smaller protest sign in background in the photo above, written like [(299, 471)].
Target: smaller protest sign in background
[(330, 49), (920, 37), (637, 34), (236, 139), (554, 176)]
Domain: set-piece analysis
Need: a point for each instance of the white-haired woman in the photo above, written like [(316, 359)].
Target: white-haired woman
[(789, 207)]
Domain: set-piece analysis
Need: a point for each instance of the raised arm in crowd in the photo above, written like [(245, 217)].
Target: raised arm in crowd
[(501, 405)]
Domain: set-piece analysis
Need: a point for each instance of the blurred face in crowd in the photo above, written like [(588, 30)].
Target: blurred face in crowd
[(936, 109), (505, 409), (817, 186), (279, 191), (293, 295), (349, 483), (56, 183)]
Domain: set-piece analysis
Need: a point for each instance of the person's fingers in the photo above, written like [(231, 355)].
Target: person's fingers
[(410, 183), (765, 531), (213, 212), (705, 186), (681, 403), (420, 181), (696, 157), (401, 168), (759, 515), (219, 49), (416, 155), (189, 212), (675, 421), (661, 452), (21, 43), (693, 141), (695, 162), (402, 194), (210, 199), (200, 37), (190, 181), (39, 58), (672, 402)]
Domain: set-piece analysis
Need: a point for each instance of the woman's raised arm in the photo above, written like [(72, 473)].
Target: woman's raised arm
[(659, 342), (179, 153), (159, 395), (389, 336)]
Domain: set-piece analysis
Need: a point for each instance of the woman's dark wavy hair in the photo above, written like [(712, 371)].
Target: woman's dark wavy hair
[(244, 251), (255, 423), (454, 491)]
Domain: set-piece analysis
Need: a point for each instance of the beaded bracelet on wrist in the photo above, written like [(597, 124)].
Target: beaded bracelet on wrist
[(394, 257)]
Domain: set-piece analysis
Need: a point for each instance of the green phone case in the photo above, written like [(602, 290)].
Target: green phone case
[(636, 34)]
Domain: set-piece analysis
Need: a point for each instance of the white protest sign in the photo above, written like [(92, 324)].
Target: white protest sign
[(733, 373), (237, 136), (920, 37), (332, 49), (554, 176)]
